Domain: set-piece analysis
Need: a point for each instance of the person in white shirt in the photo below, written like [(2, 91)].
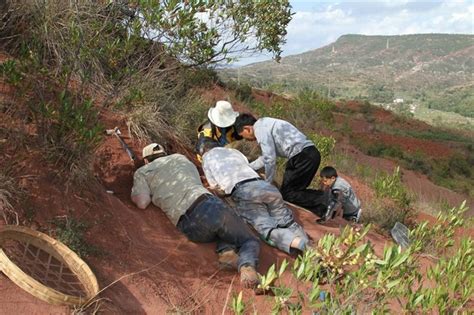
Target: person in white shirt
[(257, 201), (172, 183), (279, 138)]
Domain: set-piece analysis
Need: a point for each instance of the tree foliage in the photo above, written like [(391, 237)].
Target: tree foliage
[(201, 32)]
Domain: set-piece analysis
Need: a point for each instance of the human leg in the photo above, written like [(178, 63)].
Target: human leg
[(213, 220), (300, 171), (262, 206)]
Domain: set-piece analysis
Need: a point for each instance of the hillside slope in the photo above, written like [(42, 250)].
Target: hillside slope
[(145, 265), (434, 70)]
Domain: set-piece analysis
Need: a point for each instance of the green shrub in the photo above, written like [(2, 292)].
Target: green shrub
[(391, 186), (343, 275), (243, 91), (71, 231), (438, 237), (325, 146), (9, 70)]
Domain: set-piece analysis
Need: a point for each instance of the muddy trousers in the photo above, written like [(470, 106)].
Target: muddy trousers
[(212, 220), (299, 173), (262, 206)]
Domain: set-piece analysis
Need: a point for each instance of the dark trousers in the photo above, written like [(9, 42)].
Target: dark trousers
[(212, 220), (299, 173)]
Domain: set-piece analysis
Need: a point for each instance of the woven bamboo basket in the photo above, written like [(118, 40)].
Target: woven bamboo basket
[(45, 267)]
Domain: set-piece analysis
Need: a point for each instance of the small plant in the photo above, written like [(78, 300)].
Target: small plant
[(332, 256), (437, 238), (237, 305), (9, 70), (267, 280), (71, 231), (7, 195), (391, 186), (325, 146)]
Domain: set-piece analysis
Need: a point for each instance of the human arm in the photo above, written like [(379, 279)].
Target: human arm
[(141, 193), (141, 201), (264, 135), (335, 201)]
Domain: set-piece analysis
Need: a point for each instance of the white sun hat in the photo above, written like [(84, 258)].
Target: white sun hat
[(222, 115), (152, 149)]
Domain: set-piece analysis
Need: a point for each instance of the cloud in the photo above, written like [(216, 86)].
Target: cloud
[(316, 24)]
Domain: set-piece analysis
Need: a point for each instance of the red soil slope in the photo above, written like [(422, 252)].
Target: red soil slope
[(158, 269)]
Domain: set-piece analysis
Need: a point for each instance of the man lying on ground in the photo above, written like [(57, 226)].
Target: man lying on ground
[(173, 184), (257, 201)]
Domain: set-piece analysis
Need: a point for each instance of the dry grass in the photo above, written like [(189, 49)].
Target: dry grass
[(8, 190), (384, 213)]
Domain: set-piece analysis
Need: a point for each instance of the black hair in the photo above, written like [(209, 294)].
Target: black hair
[(207, 144), (242, 121), (328, 172)]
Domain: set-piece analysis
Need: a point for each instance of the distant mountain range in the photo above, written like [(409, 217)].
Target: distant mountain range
[(432, 70)]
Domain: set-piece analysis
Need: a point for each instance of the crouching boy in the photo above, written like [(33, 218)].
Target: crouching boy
[(340, 194)]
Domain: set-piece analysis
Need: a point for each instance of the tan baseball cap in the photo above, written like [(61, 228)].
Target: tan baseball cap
[(152, 149)]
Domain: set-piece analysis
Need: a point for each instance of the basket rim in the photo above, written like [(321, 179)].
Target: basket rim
[(33, 286)]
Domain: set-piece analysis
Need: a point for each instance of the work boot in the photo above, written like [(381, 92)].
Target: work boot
[(228, 260), (249, 277)]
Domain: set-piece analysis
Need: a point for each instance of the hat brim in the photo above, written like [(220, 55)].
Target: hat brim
[(220, 120)]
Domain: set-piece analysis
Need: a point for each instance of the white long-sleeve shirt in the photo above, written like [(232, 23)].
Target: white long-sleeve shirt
[(225, 167), (277, 137)]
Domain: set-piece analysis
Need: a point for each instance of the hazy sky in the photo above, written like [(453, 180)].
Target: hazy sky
[(318, 23)]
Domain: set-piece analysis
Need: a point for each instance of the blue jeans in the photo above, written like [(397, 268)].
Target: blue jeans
[(262, 206), (213, 220)]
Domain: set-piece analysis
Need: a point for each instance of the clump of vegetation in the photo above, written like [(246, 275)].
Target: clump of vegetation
[(325, 146), (243, 91), (71, 231), (343, 274), (7, 195), (438, 238)]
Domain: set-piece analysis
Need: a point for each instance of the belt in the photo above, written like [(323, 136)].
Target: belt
[(244, 182), (196, 203)]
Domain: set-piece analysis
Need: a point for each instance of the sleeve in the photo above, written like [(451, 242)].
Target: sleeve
[(208, 173), (267, 144), (334, 203), (140, 185), (141, 193)]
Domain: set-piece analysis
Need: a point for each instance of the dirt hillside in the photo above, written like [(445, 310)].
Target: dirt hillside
[(159, 270)]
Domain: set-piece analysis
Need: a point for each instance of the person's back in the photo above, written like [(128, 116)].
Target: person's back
[(174, 183), (229, 167), (287, 140), (349, 201), (257, 201), (279, 138)]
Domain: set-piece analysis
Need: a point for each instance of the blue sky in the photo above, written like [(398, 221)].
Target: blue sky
[(318, 23)]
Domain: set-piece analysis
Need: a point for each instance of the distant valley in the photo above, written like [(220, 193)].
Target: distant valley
[(425, 71)]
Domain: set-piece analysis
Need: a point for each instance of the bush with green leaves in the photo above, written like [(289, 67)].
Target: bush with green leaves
[(391, 186), (325, 145), (71, 231), (343, 275), (438, 237)]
